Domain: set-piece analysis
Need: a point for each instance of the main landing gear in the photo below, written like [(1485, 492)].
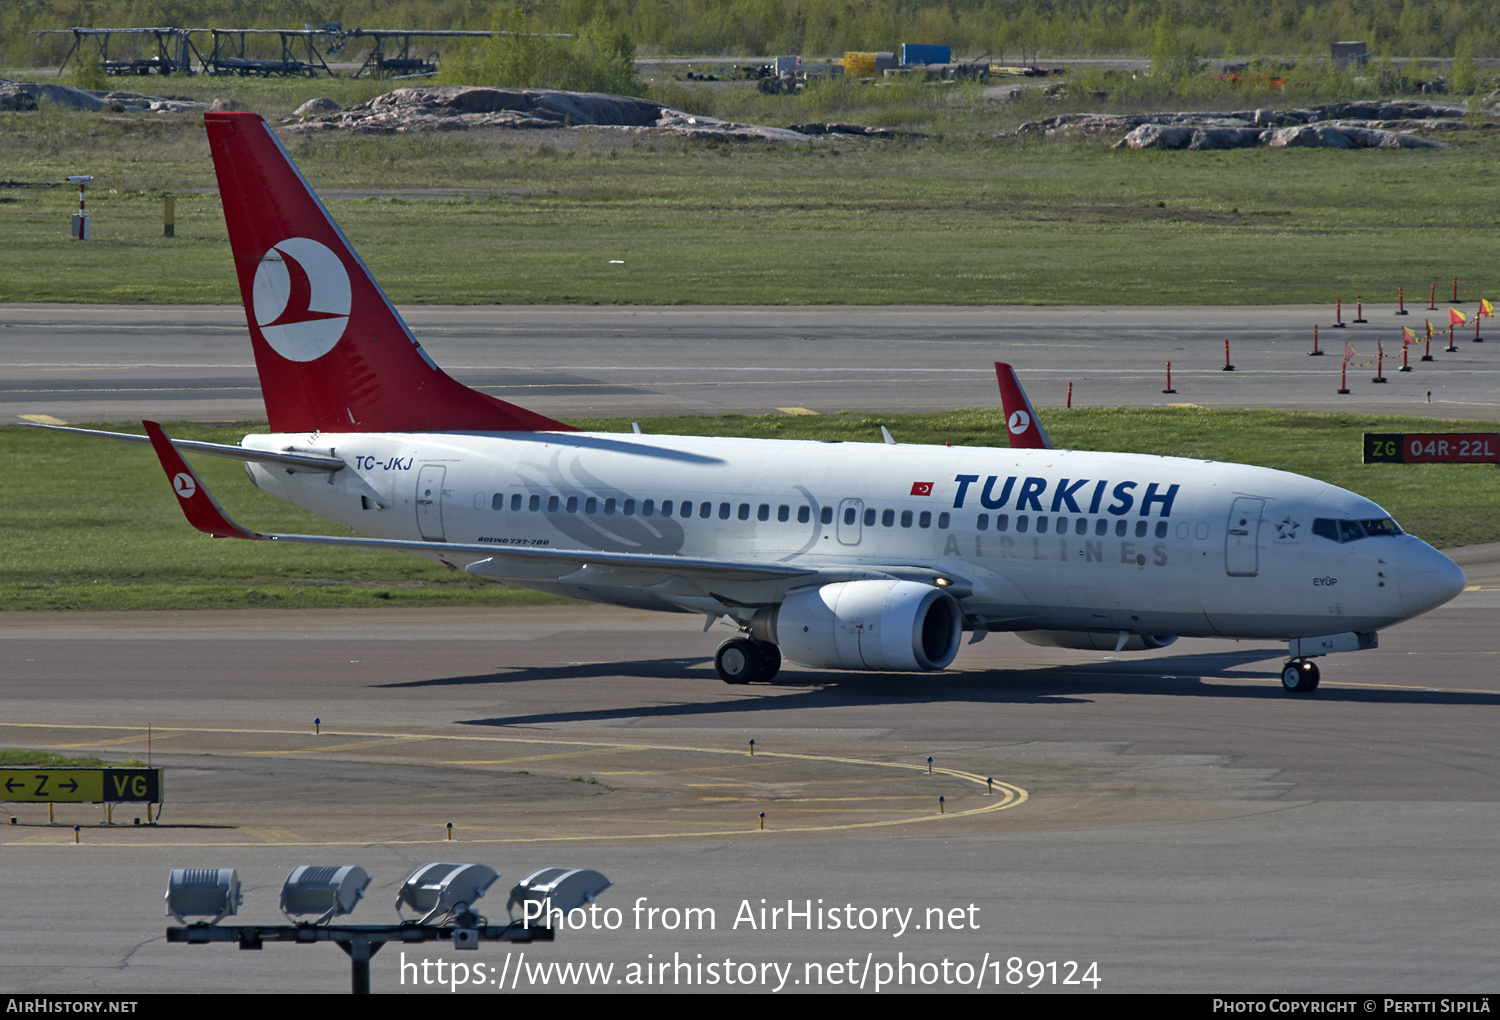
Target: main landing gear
[(741, 660), (1299, 676)]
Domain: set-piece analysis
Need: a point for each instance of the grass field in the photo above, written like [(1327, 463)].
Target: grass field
[(962, 216), (958, 220), (91, 524)]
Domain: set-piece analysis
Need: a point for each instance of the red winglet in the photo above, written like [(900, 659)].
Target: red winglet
[(1025, 429), (198, 504)]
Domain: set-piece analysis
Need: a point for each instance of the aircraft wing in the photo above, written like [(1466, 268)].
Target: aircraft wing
[(204, 513)]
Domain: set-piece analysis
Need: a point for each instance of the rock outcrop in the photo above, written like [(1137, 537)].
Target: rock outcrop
[(1336, 125), (25, 95), (458, 107)]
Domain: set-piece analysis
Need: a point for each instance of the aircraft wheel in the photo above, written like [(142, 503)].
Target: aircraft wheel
[(738, 661), (1299, 677), (770, 660)]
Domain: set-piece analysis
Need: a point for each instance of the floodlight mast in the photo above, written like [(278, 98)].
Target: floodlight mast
[(441, 891)]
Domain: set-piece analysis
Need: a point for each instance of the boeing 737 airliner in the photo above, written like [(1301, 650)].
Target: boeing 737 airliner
[(857, 556)]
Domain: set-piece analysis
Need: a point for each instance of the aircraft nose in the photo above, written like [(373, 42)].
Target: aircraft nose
[(1426, 578)]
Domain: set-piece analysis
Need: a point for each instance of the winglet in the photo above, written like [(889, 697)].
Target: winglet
[(1025, 428), (198, 504)]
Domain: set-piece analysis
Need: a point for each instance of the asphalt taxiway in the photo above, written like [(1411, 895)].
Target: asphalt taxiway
[(1174, 818), (99, 363)]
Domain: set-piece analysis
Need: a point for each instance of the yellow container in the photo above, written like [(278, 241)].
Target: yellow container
[(859, 65)]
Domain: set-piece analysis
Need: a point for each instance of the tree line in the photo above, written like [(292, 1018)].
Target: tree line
[(1008, 30)]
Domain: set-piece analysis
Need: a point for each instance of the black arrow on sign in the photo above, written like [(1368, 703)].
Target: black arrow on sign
[(71, 785)]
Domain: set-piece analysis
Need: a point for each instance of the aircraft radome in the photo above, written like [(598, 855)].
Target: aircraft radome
[(862, 556)]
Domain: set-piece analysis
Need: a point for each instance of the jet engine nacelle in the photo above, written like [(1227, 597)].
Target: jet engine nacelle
[(885, 625), (1095, 640)]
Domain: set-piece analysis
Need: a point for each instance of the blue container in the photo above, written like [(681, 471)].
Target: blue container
[(925, 53)]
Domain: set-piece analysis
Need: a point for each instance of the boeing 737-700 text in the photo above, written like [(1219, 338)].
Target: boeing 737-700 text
[(857, 556)]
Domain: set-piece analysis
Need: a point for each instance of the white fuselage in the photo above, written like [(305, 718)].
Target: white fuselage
[(1028, 539)]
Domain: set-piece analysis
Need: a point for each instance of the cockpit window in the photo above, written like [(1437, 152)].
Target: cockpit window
[(1353, 531)]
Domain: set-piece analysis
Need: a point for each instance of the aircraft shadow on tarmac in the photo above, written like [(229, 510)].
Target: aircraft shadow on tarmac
[(1165, 675)]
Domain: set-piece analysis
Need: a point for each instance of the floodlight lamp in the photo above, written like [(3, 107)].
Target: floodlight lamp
[(440, 892), (560, 889), (212, 893), (324, 890)]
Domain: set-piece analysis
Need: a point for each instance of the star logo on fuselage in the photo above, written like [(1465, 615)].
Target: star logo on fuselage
[(1287, 528)]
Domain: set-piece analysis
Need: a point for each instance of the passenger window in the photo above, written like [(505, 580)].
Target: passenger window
[(888, 518), (1081, 527), (648, 508), (850, 515), (515, 501), (763, 513), (804, 514), (1022, 523), (1002, 522), (628, 508), (552, 504), (1121, 527), (1140, 529), (724, 511), (1062, 525), (1101, 527), (498, 501), (826, 515), (744, 511), (943, 519), (706, 509), (1041, 525), (609, 506), (906, 518), (535, 503), (870, 517), (982, 522), (925, 520), (591, 505), (783, 513), (1161, 529), (572, 504)]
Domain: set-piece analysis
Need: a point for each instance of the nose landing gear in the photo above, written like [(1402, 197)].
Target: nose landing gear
[(1299, 676)]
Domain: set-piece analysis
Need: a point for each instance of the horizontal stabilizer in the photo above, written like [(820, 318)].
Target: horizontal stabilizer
[(300, 461)]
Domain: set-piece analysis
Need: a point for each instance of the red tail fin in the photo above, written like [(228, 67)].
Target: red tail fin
[(332, 353), (1026, 431)]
